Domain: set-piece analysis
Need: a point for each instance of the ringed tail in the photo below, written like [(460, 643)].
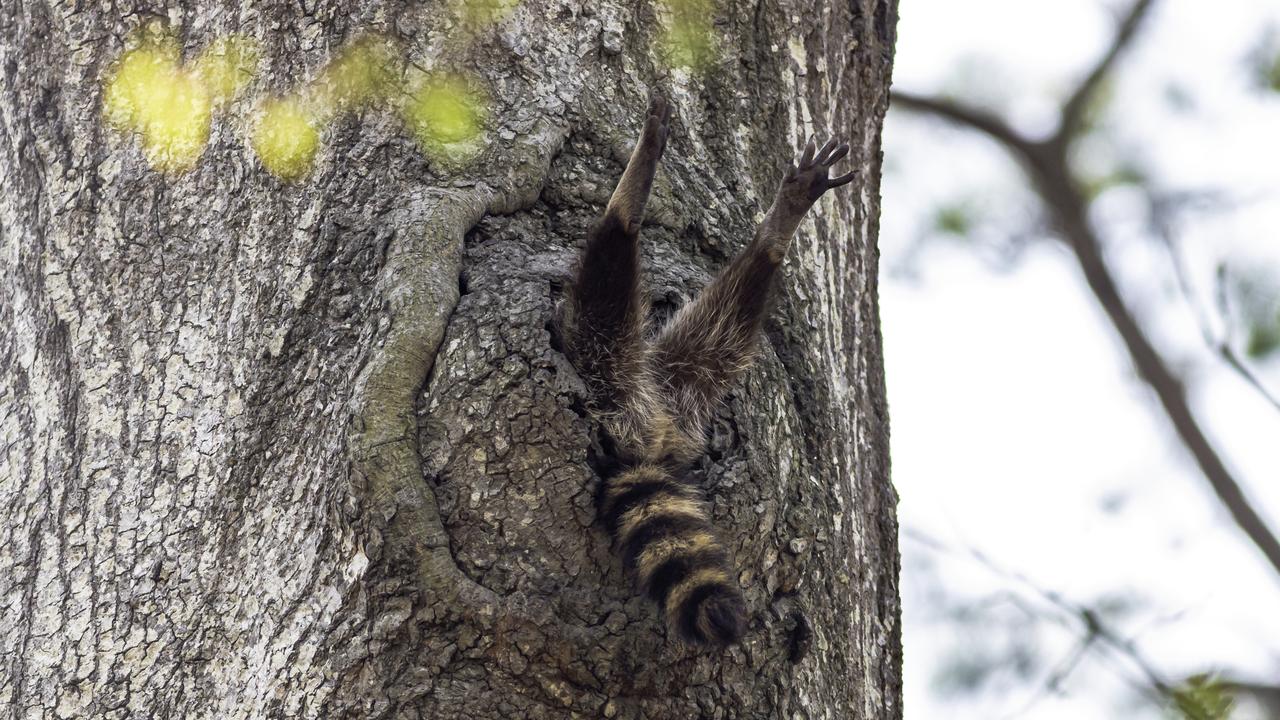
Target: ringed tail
[(662, 528)]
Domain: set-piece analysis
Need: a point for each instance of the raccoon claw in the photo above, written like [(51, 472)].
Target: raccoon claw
[(657, 124), (809, 176), (818, 163)]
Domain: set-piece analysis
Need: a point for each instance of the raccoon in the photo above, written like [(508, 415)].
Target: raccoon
[(654, 394)]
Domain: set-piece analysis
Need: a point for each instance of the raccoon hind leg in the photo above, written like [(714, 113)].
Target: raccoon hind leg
[(605, 320)]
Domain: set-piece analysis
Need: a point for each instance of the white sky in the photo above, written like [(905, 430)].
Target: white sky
[(1015, 414)]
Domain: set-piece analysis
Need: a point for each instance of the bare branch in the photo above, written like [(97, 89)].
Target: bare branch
[(975, 118), (1168, 387), (1221, 346), (1095, 632), (1232, 359), (1227, 351), (1268, 696), (1057, 675), (1073, 109)]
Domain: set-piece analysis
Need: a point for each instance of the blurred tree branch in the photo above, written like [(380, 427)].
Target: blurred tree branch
[(1163, 224), (1267, 696), (1097, 634), (1074, 109), (978, 119), (1046, 164)]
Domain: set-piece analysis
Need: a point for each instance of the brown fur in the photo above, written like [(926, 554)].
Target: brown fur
[(654, 399)]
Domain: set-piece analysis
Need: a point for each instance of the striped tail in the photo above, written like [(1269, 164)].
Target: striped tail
[(662, 527)]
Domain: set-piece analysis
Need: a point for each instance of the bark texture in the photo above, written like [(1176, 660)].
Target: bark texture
[(311, 449)]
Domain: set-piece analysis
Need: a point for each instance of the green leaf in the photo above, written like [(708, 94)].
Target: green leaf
[(1264, 340), (954, 219), (1097, 110), (1267, 71), (1264, 61), (1256, 296), (1202, 697)]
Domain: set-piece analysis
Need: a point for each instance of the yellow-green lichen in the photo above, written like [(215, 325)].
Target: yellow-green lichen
[(689, 38), (286, 138), (484, 12), (362, 74), (443, 110), (148, 92), (135, 80), (226, 66)]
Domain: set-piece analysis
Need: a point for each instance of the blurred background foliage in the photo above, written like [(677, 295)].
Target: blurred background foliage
[(169, 104), (1068, 136)]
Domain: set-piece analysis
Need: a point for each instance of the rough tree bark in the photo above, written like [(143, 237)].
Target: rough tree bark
[(310, 449)]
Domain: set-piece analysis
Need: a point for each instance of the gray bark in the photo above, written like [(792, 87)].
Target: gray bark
[(310, 449)]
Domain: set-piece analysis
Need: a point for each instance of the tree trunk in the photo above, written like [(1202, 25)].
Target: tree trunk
[(310, 449)]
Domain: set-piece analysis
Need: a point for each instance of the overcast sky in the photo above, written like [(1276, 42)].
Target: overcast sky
[(1019, 430)]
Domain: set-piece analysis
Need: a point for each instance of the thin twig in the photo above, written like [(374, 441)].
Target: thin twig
[(1221, 346), (1052, 684), (1074, 108), (1226, 349), (1091, 625)]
